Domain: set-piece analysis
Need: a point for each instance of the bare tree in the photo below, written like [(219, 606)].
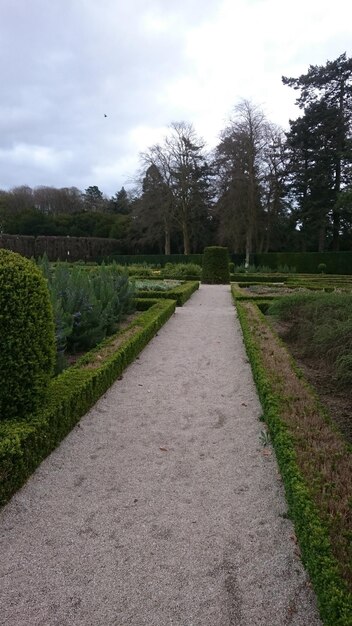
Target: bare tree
[(180, 161), (239, 157)]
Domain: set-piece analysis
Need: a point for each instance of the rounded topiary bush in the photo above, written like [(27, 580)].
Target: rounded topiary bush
[(27, 336), (215, 266)]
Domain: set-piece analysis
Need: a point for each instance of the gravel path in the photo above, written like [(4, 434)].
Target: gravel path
[(161, 507)]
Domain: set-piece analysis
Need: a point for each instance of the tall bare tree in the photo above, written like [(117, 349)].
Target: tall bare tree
[(183, 190), (240, 158)]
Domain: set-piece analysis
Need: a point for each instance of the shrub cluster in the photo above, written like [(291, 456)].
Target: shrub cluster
[(88, 305), (216, 266), (181, 270), (27, 341)]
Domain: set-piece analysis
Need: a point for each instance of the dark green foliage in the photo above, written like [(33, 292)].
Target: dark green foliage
[(27, 341), (216, 266), (308, 262), (23, 445), (73, 248), (320, 148), (334, 599), (322, 323), (158, 260), (181, 270)]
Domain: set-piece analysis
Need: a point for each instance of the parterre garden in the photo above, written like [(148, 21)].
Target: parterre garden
[(106, 314), (298, 336)]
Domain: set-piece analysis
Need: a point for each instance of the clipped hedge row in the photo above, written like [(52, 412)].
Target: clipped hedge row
[(259, 278), (334, 599), (308, 262), (155, 259), (181, 293), (24, 444)]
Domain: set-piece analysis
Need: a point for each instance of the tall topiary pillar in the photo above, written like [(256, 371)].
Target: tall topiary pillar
[(27, 336), (216, 266)]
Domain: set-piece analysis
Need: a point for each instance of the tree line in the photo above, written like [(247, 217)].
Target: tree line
[(261, 189)]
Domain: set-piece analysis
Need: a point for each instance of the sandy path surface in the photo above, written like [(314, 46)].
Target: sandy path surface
[(160, 507)]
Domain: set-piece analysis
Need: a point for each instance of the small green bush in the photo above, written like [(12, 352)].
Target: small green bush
[(216, 266), (27, 338)]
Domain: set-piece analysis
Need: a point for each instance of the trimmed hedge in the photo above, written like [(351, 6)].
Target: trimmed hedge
[(181, 293), (216, 266), (155, 259), (334, 599), (27, 336), (61, 247), (259, 278), (24, 444), (308, 262)]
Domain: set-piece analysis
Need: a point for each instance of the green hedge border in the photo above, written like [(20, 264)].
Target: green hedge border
[(334, 599), (154, 259), (24, 444), (181, 294)]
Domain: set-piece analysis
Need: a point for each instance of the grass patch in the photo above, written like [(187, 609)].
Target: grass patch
[(315, 463)]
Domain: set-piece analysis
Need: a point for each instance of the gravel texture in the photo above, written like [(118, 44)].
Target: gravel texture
[(162, 506)]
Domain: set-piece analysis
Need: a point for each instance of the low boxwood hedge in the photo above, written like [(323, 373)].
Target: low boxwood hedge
[(334, 598), (259, 278), (25, 443), (181, 293)]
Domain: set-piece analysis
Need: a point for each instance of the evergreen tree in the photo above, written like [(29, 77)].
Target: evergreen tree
[(323, 137), (120, 202)]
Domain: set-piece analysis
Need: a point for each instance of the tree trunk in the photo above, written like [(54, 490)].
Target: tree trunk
[(167, 239), (248, 246), (321, 238), (335, 230), (186, 243)]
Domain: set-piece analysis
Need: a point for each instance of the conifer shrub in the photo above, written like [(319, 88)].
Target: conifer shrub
[(27, 338), (216, 266)]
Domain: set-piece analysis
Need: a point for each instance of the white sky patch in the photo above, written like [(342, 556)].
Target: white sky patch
[(42, 157), (141, 137), (154, 23)]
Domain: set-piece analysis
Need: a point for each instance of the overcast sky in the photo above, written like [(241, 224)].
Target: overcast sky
[(144, 64)]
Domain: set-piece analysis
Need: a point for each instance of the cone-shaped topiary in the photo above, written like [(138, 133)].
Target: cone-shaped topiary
[(215, 266), (27, 336)]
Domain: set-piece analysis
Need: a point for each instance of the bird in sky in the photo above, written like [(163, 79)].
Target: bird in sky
[(105, 115)]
